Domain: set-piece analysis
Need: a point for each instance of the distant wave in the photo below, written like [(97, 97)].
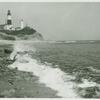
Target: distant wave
[(59, 41)]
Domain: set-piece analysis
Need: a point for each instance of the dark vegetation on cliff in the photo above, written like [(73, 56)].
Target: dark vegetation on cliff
[(25, 31), (25, 34)]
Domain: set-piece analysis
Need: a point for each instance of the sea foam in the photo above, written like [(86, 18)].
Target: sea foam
[(53, 78)]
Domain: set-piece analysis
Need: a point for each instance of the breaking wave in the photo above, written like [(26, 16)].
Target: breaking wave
[(53, 78)]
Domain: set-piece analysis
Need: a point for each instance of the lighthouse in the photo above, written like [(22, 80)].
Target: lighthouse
[(9, 21)]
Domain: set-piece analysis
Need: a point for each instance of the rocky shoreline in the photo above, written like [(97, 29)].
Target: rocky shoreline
[(19, 84)]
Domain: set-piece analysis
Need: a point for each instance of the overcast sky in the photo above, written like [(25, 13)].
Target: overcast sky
[(57, 21)]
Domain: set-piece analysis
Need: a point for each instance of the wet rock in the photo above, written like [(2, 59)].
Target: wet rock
[(8, 51), (89, 92)]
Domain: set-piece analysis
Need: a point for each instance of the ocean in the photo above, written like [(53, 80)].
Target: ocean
[(70, 68)]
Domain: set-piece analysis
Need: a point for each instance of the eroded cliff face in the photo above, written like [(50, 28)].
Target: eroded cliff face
[(35, 36), (4, 36), (25, 34)]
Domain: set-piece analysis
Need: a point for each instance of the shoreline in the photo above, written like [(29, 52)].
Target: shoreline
[(20, 84)]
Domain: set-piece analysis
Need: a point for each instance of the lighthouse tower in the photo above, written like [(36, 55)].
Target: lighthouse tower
[(9, 21)]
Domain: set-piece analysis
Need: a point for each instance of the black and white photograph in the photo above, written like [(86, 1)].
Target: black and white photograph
[(50, 50)]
